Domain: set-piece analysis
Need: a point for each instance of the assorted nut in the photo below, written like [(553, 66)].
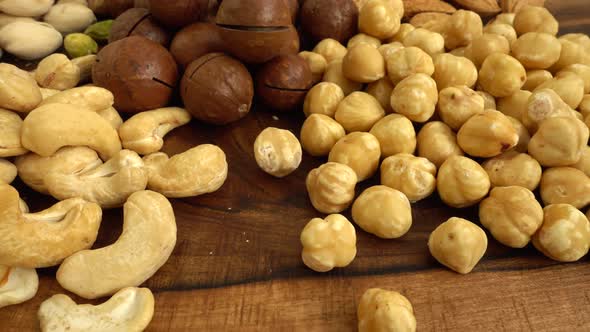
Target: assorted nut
[(383, 310), (277, 152)]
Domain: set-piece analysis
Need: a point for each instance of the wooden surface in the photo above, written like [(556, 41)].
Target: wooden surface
[(237, 266)]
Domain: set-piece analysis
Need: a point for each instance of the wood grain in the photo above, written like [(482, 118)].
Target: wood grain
[(237, 263)]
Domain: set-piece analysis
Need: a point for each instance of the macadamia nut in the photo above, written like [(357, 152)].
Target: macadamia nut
[(462, 182), (395, 134), (415, 97), (437, 142), (323, 98), (487, 134), (360, 151), (457, 104), (408, 61), (359, 111), (319, 133), (513, 169), (565, 185), (382, 310), (331, 187), (450, 70), (559, 141), (413, 176), (277, 152), (501, 75)]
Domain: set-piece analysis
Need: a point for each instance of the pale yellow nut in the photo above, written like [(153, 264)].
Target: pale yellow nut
[(584, 163), (17, 285), (57, 72), (334, 74), (331, 187), (501, 75), (512, 214), (581, 39), (524, 137), (501, 29), (408, 61), (382, 90), (415, 97), (534, 78), (363, 63), (383, 310), (505, 18), (437, 142), (489, 101), (317, 63), (362, 38), (360, 151), (430, 42), (536, 50), (387, 50), (565, 185), (323, 98), (535, 19), (403, 31), (8, 171), (197, 171), (458, 244), (514, 169), (18, 90), (319, 133), (569, 87), (486, 44), (277, 152), (462, 182), (457, 104), (92, 98), (514, 105), (69, 17), (10, 131), (379, 19), (461, 51), (571, 53), (564, 235), (85, 63), (462, 28), (544, 104), (450, 70), (583, 71), (433, 21), (487, 134), (383, 211), (328, 243), (359, 111), (46, 93), (413, 176), (330, 49), (584, 107), (26, 8), (396, 134), (30, 40), (559, 141)]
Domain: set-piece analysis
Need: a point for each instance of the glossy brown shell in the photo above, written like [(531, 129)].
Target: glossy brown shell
[(138, 22), (335, 19), (117, 7), (217, 89), (254, 13), (194, 41), (179, 13), (140, 73)]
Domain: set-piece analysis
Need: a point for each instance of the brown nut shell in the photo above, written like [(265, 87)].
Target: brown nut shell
[(138, 22), (194, 41), (178, 13), (335, 19), (217, 89), (254, 13), (140, 73), (283, 82)]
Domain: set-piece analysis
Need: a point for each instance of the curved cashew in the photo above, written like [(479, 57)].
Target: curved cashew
[(8, 171), (10, 127), (108, 184), (131, 309), (45, 238), (51, 127), (148, 238), (200, 170), (144, 131), (17, 285)]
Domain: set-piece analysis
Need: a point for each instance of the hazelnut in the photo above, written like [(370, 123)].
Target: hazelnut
[(255, 38), (387, 50), (581, 39), (277, 152), (584, 107), (457, 104), (458, 244), (319, 133), (450, 70), (363, 63), (489, 101), (501, 75), (359, 111), (536, 50), (544, 104), (382, 310), (534, 78), (335, 19), (404, 30), (395, 134), (383, 211), (330, 49), (514, 105), (523, 135), (379, 19), (486, 44), (217, 89), (463, 27), (564, 235), (178, 13), (584, 163), (283, 82), (317, 64), (565, 185), (535, 19), (323, 98), (335, 74), (408, 61), (194, 41), (331, 187), (413, 176), (569, 87), (56, 71), (583, 71), (462, 182), (415, 97), (382, 90), (487, 134), (139, 81), (512, 215), (513, 169), (362, 38), (501, 29), (571, 53), (138, 22), (559, 141), (430, 42), (437, 142), (360, 151)]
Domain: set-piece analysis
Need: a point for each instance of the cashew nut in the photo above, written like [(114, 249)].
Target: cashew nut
[(7, 171), (148, 238), (17, 285), (200, 170), (30, 40), (43, 239), (28, 8), (10, 126), (144, 132), (131, 309), (108, 184), (50, 127), (18, 90), (34, 169)]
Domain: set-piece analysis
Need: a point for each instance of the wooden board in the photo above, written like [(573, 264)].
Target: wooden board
[(237, 266)]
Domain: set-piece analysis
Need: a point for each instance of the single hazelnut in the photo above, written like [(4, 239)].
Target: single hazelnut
[(334, 74), (437, 142), (317, 63), (194, 41), (565, 185), (514, 105), (415, 97), (514, 169), (363, 63), (524, 137), (138, 22), (331, 187), (413, 176), (335, 19), (382, 90), (559, 141), (283, 82), (217, 89), (178, 13), (487, 134), (139, 80), (330, 49), (457, 104), (380, 19), (362, 38), (396, 134), (462, 182), (360, 151), (323, 98), (384, 310), (359, 111), (319, 133), (277, 152)]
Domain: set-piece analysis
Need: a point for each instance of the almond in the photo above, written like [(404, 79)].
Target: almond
[(512, 6), (413, 7), (482, 7)]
